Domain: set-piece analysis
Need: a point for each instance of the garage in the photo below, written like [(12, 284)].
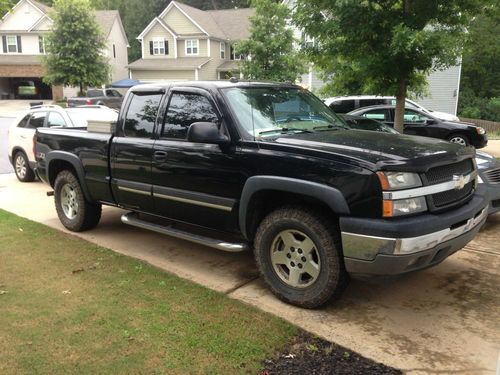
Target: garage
[(21, 78)]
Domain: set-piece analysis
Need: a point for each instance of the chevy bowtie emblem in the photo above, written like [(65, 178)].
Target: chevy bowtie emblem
[(459, 182)]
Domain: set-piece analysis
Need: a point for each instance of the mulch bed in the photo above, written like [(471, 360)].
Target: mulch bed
[(311, 355)]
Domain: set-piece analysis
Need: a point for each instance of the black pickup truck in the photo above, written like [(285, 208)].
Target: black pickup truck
[(241, 165)]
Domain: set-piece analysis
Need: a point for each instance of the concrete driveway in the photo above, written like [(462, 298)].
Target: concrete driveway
[(442, 320)]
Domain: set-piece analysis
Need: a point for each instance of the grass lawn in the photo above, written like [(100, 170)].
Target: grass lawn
[(69, 306)]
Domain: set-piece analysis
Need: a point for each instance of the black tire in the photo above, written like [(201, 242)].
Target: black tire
[(332, 278), (86, 215), (22, 168), (460, 139)]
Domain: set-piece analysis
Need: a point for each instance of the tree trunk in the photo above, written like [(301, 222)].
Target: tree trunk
[(81, 90), (400, 106)]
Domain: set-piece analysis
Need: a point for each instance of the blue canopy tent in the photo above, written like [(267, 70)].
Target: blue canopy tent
[(125, 83)]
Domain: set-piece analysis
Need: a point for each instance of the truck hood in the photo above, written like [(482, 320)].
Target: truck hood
[(381, 151)]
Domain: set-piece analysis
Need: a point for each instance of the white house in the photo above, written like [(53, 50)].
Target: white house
[(22, 32)]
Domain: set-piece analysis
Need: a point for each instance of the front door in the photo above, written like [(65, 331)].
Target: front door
[(198, 183)]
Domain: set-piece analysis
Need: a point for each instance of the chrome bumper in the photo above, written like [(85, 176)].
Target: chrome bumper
[(365, 247)]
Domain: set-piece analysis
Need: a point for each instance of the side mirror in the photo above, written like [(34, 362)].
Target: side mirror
[(430, 121), (206, 132)]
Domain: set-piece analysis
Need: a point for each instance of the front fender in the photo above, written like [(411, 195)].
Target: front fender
[(332, 197)]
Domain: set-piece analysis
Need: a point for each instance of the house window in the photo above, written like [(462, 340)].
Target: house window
[(192, 47), (158, 46), (222, 50), (307, 41), (41, 44), (235, 56), (12, 44)]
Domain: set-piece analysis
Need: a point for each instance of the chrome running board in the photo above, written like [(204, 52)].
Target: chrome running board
[(132, 219)]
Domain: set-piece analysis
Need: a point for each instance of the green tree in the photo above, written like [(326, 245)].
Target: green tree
[(390, 45), (74, 47), (270, 48)]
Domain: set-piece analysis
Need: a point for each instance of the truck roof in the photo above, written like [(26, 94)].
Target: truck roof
[(210, 85)]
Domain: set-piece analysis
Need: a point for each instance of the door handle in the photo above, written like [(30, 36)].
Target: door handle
[(160, 156)]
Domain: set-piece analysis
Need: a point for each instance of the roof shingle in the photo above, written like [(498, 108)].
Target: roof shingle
[(181, 63)]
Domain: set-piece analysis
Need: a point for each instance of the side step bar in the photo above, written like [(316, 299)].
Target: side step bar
[(132, 219)]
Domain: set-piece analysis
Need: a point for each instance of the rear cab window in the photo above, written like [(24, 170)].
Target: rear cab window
[(141, 115), (94, 93)]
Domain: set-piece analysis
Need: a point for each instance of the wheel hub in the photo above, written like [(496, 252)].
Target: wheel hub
[(69, 201), (295, 258), (20, 167)]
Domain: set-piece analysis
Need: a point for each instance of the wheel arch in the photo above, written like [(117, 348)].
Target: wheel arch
[(259, 190), (58, 161)]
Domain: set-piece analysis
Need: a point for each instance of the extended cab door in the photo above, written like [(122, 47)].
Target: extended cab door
[(132, 151), (198, 183)]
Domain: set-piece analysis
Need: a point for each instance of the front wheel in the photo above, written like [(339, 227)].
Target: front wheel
[(22, 168), (459, 139), (298, 253), (73, 209)]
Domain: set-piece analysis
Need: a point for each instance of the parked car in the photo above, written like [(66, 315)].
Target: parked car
[(487, 165), (423, 124), (26, 90), (345, 104), (22, 131), (239, 165), (108, 97)]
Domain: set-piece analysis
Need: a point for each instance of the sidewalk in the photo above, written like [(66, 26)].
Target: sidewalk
[(441, 320)]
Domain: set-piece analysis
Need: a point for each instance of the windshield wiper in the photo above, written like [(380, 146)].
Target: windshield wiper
[(331, 127), (285, 130)]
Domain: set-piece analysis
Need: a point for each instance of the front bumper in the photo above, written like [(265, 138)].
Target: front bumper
[(480, 141), (390, 247)]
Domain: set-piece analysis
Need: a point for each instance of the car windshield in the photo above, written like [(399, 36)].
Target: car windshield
[(271, 111), (81, 116)]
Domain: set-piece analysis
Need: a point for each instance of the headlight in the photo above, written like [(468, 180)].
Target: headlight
[(398, 180), (404, 206), (480, 130)]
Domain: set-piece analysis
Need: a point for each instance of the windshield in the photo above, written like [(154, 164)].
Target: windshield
[(81, 116), (270, 111)]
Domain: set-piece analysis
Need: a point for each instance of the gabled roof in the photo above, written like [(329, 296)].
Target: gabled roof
[(106, 19), (226, 24), (155, 21), (44, 8)]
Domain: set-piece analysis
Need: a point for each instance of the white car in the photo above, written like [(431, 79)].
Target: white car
[(22, 131), (345, 104)]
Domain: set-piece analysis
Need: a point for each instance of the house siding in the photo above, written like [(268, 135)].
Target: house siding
[(159, 31), (118, 63), (24, 17), (163, 75), (178, 22), (443, 89)]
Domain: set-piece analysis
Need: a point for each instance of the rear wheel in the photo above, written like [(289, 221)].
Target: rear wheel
[(459, 139), (298, 253), (74, 211), (22, 168)]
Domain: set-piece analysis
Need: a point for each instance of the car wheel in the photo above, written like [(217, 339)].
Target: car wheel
[(459, 139), (73, 209), (22, 168), (298, 253)]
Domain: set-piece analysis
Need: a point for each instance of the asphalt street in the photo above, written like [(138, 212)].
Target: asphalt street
[(5, 166)]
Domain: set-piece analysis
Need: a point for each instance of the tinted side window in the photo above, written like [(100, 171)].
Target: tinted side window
[(185, 109), (37, 120), (113, 93), (370, 102), (343, 106), (141, 115), (24, 122), (94, 93)]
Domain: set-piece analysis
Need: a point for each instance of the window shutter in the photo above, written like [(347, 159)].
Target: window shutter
[(4, 43), (166, 47), (151, 47), (19, 45)]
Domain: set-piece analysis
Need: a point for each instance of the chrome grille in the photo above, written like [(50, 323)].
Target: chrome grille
[(493, 176), (448, 197), (445, 172)]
